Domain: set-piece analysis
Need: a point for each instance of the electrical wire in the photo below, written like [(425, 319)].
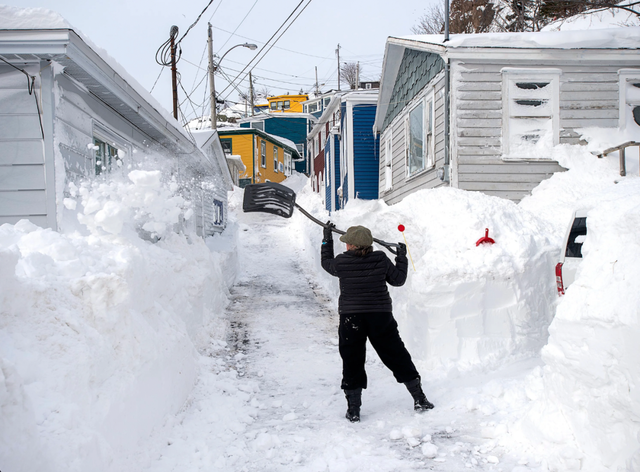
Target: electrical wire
[(240, 24), (196, 22), (31, 87), (283, 49), (259, 58)]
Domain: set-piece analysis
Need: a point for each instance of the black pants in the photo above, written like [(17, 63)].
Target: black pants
[(382, 331)]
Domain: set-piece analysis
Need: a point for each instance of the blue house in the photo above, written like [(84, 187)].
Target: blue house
[(292, 126), (351, 150)]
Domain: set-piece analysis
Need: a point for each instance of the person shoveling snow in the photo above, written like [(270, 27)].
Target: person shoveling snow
[(365, 312)]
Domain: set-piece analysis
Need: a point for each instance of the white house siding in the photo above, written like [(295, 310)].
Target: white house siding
[(23, 186), (428, 179), (588, 97)]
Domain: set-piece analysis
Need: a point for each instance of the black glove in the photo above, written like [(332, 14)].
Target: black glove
[(401, 250), (327, 234)]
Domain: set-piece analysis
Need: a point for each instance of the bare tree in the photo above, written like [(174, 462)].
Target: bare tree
[(465, 16), (264, 92), (471, 16), (350, 73), (432, 22)]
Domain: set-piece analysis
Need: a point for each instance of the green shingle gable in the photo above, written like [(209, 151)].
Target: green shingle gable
[(416, 70)]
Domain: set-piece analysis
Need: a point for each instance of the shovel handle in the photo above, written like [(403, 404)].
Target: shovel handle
[(339, 231)]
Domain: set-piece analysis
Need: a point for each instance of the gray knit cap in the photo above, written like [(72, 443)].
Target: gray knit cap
[(357, 236)]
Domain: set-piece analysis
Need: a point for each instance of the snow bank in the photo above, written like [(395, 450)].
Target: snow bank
[(99, 326), (463, 306)]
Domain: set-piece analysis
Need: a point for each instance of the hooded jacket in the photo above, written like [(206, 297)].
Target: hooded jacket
[(364, 279)]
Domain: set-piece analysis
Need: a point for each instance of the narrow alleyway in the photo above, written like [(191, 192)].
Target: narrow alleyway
[(281, 408)]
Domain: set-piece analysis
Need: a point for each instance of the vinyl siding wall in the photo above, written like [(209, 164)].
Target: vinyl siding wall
[(588, 96), (23, 185), (403, 186), (366, 160)]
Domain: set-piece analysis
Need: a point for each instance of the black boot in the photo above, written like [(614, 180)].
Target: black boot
[(420, 402), (354, 401)]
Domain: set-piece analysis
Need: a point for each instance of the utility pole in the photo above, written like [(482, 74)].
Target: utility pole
[(212, 85), (174, 71), (338, 53), (251, 91)]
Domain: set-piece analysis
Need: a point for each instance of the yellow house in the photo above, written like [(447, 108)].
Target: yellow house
[(287, 103), (267, 158)]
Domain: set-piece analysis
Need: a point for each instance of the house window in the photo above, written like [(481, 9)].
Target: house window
[(530, 112), (287, 104), (106, 156), (109, 149), (274, 105), (258, 125), (629, 99), (388, 157), (280, 105), (275, 158), (287, 163), (226, 146), (430, 131), (416, 140), (313, 107), (218, 212), (263, 154)]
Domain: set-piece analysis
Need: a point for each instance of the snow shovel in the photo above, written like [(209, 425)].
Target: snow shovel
[(274, 198)]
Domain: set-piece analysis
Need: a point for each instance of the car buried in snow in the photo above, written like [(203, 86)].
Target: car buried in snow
[(571, 255)]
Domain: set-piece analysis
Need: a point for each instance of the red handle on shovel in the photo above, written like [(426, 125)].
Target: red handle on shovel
[(485, 239)]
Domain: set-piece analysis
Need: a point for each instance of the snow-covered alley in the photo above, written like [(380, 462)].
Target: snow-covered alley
[(279, 374)]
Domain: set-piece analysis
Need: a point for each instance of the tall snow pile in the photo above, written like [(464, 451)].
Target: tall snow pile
[(463, 306), (586, 412), (467, 308), (99, 327)]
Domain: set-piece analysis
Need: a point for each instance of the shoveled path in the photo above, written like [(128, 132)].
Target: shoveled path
[(268, 398)]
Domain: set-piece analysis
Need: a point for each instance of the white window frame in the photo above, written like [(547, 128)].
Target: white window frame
[(287, 163), (109, 143), (275, 158), (627, 77), (509, 77), (388, 160), (263, 154), (428, 129)]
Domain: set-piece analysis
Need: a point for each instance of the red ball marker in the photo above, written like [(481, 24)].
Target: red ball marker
[(401, 228)]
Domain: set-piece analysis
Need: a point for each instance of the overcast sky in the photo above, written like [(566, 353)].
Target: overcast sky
[(131, 31)]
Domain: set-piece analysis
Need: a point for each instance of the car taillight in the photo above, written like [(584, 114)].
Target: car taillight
[(559, 283)]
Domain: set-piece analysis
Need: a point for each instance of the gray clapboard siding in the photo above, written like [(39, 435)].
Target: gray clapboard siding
[(500, 167), (510, 186), (22, 177), (21, 152), (17, 99), (479, 87), (23, 203), (77, 162), (17, 126)]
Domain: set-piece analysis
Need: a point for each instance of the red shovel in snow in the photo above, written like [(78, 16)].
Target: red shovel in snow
[(485, 239)]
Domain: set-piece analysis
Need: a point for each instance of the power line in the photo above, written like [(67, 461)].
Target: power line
[(240, 24), (283, 49), (195, 22), (277, 39)]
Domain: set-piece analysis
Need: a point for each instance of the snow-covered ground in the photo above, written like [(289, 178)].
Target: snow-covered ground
[(121, 354)]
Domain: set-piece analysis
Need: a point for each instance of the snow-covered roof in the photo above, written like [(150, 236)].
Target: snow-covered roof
[(608, 38), (38, 33)]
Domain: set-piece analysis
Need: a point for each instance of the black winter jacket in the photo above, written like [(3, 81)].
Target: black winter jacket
[(363, 279)]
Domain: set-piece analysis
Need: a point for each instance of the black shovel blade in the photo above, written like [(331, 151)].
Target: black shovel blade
[(269, 197)]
